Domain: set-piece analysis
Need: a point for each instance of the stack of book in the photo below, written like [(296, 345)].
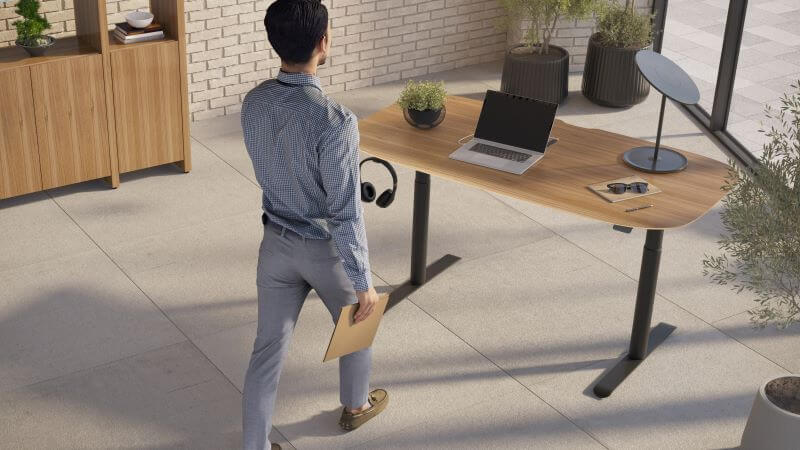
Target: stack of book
[(128, 34)]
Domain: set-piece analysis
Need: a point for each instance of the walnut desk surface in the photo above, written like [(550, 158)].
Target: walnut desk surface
[(581, 157)]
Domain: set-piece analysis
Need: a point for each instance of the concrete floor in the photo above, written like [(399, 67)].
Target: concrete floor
[(127, 316)]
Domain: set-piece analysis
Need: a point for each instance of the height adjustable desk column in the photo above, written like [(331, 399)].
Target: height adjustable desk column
[(581, 157)]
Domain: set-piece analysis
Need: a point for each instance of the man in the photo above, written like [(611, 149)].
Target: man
[(304, 149)]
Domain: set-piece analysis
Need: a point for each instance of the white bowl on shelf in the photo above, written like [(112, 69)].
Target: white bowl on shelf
[(139, 19)]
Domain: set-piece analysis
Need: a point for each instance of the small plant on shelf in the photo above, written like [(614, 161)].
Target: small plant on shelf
[(31, 27), (761, 247), (423, 103)]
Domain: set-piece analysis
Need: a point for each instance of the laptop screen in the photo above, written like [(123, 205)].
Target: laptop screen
[(514, 120)]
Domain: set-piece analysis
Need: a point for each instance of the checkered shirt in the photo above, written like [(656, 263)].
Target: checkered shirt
[(304, 149)]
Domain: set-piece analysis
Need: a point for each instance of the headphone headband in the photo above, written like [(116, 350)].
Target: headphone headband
[(384, 163)]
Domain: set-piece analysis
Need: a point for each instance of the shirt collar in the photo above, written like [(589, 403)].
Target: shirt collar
[(300, 78)]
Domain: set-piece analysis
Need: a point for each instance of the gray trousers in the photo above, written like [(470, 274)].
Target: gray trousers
[(288, 268)]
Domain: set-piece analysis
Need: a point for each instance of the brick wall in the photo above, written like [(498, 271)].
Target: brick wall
[(374, 41), (574, 35)]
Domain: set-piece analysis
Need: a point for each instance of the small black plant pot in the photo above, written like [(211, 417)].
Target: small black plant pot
[(610, 76), (543, 77), (37, 48), (426, 119)]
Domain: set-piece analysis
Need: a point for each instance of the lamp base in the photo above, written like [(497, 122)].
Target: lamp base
[(641, 158)]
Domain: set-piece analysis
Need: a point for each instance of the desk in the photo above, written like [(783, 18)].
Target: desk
[(559, 180)]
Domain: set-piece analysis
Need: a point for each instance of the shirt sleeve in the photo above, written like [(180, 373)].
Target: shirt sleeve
[(338, 163)]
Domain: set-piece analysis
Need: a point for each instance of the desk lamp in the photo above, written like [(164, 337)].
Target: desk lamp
[(671, 81)]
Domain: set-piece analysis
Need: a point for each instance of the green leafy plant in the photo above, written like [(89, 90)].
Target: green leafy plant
[(30, 28), (622, 26), (543, 16), (761, 247), (422, 96)]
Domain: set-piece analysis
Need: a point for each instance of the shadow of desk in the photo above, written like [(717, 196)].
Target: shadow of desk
[(581, 157)]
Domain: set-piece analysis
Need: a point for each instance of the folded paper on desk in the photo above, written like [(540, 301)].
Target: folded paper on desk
[(602, 190), (348, 336)]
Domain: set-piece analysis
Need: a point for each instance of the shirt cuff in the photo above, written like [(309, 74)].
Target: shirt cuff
[(361, 282)]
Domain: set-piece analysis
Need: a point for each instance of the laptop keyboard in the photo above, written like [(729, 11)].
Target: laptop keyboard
[(498, 152)]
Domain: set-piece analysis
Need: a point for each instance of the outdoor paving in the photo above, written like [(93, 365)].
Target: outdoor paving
[(127, 316), (769, 57)]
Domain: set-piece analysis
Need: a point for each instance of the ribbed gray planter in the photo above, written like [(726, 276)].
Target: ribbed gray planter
[(611, 78), (543, 77)]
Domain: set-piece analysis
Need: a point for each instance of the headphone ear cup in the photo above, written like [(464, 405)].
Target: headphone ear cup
[(385, 199), (367, 192)]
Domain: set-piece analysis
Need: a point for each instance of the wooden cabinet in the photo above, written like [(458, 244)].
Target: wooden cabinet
[(71, 120), (147, 104), (93, 107), (19, 156)]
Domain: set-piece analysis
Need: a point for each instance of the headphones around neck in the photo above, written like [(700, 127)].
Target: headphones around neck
[(368, 190)]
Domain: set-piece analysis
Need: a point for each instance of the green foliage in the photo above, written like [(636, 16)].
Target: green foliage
[(30, 28), (621, 26), (761, 247), (543, 16), (423, 95)]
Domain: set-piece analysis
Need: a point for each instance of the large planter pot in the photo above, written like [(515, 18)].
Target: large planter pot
[(543, 77), (37, 48), (610, 76), (774, 422)]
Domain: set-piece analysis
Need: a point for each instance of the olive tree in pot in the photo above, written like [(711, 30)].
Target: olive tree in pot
[(610, 76), (761, 256), (423, 103), (30, 28), (536, 68)]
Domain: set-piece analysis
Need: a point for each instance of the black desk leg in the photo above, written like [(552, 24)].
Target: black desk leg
[(420, 272), (643, 339)]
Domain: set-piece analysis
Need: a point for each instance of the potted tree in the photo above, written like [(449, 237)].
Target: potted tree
[(30, 28), (536, 68), (610, 76), (761, 255), (423, 103)]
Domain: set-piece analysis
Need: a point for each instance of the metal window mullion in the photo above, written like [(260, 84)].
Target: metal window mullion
[(659, 20), (728, 60)]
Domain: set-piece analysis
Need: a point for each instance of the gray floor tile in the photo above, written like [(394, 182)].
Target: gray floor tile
[(511, 422), (461, 218), (158, 200), (231, 149), (166, 398), (427, 371), (202, 277), (35, 229), (780, 346), (72, 313)]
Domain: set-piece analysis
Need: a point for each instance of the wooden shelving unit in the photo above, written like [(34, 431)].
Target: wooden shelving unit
[(92, 107)]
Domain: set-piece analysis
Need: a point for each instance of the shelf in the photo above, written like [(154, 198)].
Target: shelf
[(69, 47), (114, 44)]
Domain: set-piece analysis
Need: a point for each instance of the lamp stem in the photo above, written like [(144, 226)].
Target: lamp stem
[(660, 123)]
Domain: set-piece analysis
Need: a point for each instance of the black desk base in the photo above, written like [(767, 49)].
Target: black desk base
[(643, 339)]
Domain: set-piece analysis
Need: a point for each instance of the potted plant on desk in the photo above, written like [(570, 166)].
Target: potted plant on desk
[(760, 217), (536, 68), (30, 28), (610, 75), (423, 103)]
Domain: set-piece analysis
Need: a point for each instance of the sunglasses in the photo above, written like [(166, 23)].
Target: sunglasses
[(621, 188)]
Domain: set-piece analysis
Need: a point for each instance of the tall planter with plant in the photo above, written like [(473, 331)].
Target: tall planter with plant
[(536, 68), (30, 28), (761, 256), (610, 76)]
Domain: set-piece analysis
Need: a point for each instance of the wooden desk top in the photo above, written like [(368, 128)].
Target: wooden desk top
[(582, 156)]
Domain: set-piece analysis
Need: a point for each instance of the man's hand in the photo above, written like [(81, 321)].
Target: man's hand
[(366, 303)]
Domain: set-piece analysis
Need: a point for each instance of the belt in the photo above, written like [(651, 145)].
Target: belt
[(280, 229)]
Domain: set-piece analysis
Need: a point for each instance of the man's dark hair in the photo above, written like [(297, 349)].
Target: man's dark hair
[(295, 27)]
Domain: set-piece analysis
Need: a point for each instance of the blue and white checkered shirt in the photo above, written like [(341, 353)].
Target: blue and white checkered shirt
[(304, 148)]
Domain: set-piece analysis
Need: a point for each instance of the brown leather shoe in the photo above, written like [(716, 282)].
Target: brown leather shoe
[(378, 399), (275, 447)]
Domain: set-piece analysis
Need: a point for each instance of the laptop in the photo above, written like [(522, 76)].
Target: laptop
[(513, 133)]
